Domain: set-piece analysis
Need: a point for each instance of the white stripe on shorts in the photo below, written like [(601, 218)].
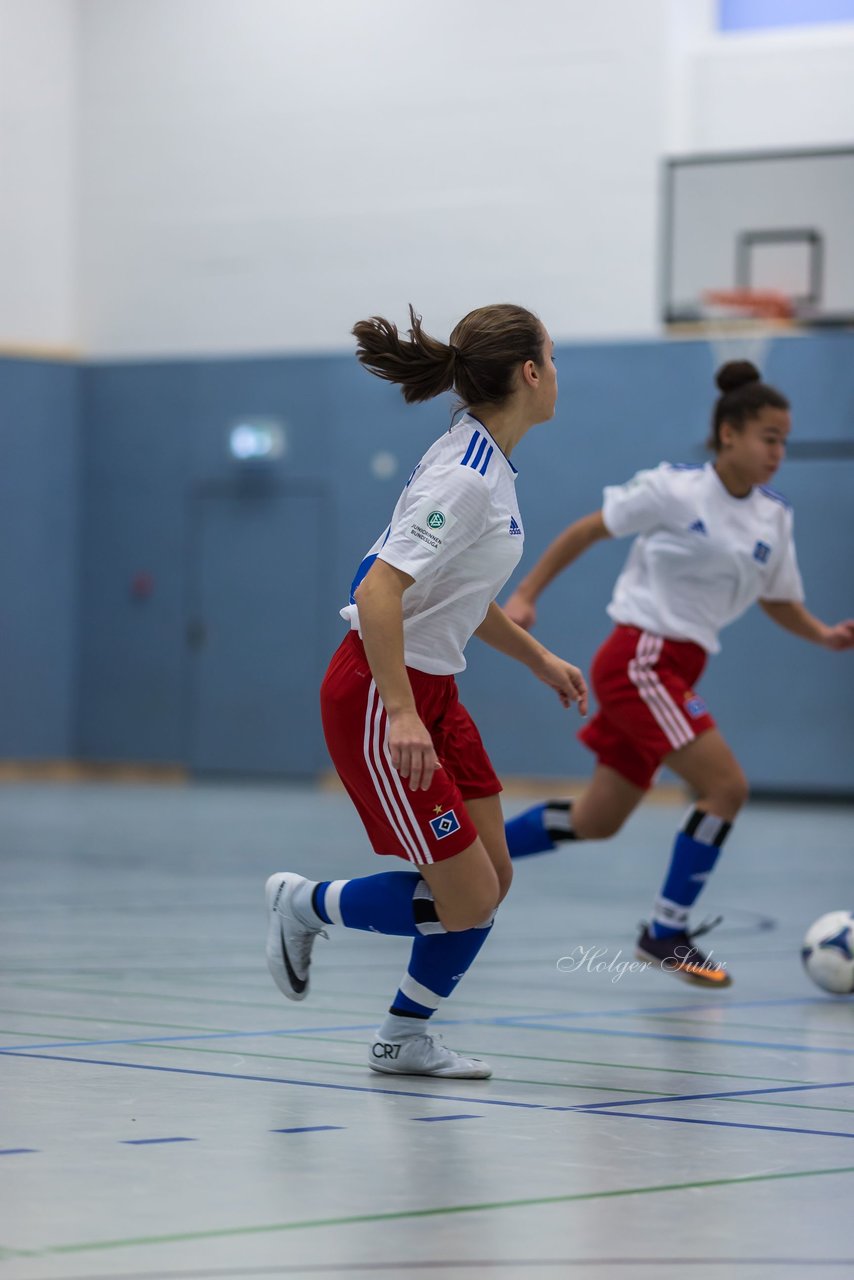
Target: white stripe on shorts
[(381, 786), (388, 784), (667, 715), (404, 798)]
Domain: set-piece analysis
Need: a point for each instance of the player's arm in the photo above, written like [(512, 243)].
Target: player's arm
[(567, 546), (379, 597), (793, 616), (498, 631)]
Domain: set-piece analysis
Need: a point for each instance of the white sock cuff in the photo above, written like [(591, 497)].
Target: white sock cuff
[(671, 914), (332, 900), (420, 994)]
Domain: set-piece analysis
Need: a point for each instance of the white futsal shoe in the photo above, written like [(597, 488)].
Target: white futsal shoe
[(424, 1055), (289, 941)]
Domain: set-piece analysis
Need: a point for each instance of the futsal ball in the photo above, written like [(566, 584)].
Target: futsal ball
[(828, 952)]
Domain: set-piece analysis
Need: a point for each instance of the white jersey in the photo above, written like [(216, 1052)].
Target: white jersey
[(702, 557), (457, 531)]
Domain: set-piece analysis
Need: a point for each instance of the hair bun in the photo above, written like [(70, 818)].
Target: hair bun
[(735, 374)]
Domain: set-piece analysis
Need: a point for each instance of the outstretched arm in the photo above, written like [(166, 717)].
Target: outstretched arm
[(566, 547), (795, 617), (498, 631)]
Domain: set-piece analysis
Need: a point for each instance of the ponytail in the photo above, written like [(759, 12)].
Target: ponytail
[(479, 361)]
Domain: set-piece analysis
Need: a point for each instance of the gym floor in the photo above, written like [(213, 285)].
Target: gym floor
[(167, 1114)]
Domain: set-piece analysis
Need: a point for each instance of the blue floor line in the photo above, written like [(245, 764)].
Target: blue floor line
[(598, 1108), (701, 1097), (309, 1128), (151, 1142), (727, 1124), (310, 1084), (700, 1005), (519, 1021), (208, 1035), (532, 1025)]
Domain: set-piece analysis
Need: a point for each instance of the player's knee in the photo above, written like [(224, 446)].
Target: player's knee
[(599, 826), (470, 911), (505, 879), (728, 796)]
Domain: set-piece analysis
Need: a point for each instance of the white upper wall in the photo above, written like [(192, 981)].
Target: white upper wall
[(37, 173), (208, 176), (258, 174), (788, 88)]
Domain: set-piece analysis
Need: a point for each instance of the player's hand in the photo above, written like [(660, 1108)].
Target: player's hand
[(411, 747), (520, 611), (566, 680), (841, 636)]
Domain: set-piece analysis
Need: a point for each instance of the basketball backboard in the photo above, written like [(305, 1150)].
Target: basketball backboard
[(774, 220)]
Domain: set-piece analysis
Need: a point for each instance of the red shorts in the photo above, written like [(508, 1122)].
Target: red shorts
[(647, 706), (420, 826)]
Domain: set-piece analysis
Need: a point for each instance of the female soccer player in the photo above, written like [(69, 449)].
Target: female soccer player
[(710, 541), (404, 746)]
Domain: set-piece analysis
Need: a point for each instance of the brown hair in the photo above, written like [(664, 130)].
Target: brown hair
[(478, 362), (743, 394)]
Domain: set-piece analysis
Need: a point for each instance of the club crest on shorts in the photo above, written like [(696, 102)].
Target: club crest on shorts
[(445, 825), (695, 706)]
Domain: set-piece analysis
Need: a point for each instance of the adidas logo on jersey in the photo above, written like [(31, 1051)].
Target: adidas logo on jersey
[(514, 528), (698, 527)]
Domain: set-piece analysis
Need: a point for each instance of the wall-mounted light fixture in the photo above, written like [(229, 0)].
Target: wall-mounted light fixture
[(257, 440)]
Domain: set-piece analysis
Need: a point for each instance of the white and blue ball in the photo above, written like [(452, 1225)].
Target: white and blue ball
[(828, 952)]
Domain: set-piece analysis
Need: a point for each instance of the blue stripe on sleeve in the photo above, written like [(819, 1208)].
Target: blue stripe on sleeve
[(466, 458)]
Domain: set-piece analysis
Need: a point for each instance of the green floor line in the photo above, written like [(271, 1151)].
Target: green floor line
[(141, 995), (157, 995), (519, 1057), (360, 1066), (113, 1022), (546, 1084), (632, 1066), (795, 1106), (410, 1214)]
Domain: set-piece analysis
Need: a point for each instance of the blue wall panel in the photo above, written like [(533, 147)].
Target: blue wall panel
[(786, 706), (154, 438), (38, 565), (136, 446)]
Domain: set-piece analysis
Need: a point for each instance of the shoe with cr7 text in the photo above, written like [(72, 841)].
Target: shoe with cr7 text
[(289, 941), (424, 1055)]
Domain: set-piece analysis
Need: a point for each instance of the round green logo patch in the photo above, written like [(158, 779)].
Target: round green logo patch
[(435, 520)]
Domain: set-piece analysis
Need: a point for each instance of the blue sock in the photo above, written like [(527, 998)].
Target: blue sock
[(540, 828), (393, 902), (695, 853), (436, 965)]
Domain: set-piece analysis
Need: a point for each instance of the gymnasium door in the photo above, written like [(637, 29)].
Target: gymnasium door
[(254, 636)]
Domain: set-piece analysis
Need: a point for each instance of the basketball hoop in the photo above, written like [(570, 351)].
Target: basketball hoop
[(740, 324)]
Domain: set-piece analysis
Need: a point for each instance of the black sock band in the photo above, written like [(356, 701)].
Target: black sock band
[(557, 819), (706, 828)]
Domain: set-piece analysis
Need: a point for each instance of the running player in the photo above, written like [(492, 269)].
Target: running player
[(404, 746), (711, 540)]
